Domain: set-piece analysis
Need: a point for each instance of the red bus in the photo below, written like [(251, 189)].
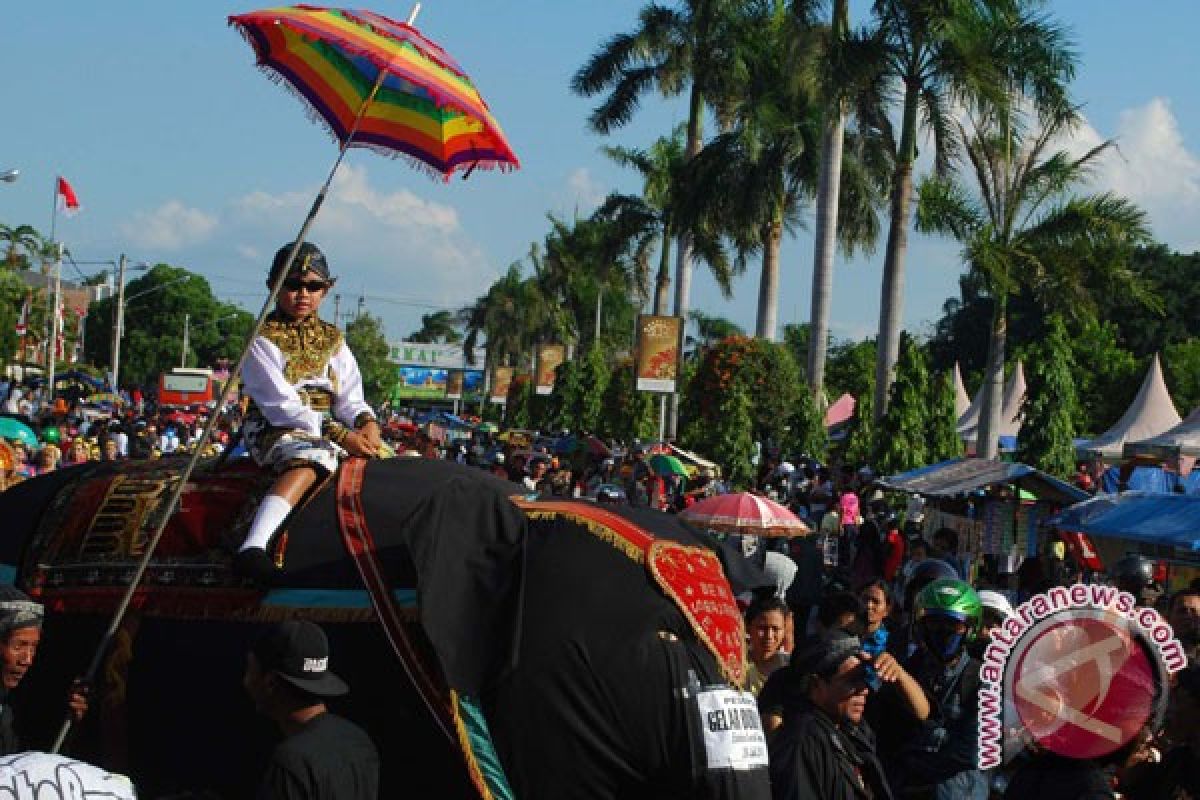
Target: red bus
[(183, 387)]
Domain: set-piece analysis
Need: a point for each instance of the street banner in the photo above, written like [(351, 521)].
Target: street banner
[(549, 356), (501, 378), (454, 384), (436, 356), (656, 361), (420, 383)]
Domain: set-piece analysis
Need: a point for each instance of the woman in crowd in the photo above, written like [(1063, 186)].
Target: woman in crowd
[(766, 624)]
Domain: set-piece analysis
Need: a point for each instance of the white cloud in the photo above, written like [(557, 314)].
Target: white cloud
[(172, 226), (1152, 166), (390, 244), (584, 191)]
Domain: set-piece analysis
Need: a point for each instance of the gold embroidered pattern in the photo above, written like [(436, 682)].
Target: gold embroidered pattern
[(307, 345)]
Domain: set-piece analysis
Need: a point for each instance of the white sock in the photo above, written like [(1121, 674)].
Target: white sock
[(271, 514)]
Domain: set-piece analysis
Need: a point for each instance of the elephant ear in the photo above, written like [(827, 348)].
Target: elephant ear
[(467, 544)]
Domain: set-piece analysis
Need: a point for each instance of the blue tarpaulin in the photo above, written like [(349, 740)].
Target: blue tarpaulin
[(963, 476), (1152, 480), (1162, 519)]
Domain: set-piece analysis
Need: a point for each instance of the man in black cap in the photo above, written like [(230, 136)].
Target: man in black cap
[(825, 749), (307, 408), (323, 756), (20, 634)]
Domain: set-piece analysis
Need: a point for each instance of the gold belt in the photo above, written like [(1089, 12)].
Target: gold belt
[(319, 400)]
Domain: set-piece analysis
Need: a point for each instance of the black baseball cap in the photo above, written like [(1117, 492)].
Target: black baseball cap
[(298, 652), (309, 259)]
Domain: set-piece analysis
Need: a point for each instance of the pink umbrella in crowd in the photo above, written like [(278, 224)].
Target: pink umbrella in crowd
[(745, 513)]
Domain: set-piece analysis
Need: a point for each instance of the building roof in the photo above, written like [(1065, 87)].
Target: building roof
[(962, 476)]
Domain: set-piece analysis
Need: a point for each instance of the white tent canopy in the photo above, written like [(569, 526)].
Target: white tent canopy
[(1182, 440), (1151, 413), (970, 418), (962, 401), (1010, 408)]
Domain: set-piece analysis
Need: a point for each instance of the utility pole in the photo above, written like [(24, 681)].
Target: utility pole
[(362, 306), (119, 325), (52, 345), (337, 311), (187, 319)]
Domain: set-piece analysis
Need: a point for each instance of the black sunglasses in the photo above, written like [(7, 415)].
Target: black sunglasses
[(312, 286)]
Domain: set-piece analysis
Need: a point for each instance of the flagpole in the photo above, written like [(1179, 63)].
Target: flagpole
[(54, 327)]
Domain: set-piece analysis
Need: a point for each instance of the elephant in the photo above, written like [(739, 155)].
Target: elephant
[(506, 647)]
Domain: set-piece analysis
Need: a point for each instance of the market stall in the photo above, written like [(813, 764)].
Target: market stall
[(996, 508)]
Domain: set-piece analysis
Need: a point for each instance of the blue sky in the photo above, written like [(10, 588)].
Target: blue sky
[(181, 152)]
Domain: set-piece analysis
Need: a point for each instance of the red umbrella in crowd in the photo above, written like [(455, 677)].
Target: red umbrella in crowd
[(745, 513)]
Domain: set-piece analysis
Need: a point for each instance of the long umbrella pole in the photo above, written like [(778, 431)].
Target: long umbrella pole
[(210, 426)]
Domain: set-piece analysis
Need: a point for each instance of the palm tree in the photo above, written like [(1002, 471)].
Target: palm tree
[(1023, 231), (499, 317), (710, 329), (975, 52), (438, 327), (752, 181), (17, 238), (849, 68), (671, 50), (653, 217)]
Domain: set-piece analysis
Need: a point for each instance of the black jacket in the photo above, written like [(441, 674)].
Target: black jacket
[(814, 759)]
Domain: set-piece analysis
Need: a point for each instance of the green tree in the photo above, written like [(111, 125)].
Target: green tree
[(1181, 362), (156, 304), (1022, 229), (627, 413), (367, 341), (902, 442), (1047, 435), (860, 439), (21, 244), (807, 433), (942, 433), (12, 297), (439, 327), (988, 53), (1107, 376), (577, 402), (709, 329), (519, 411), (851, 369), (732, 444)]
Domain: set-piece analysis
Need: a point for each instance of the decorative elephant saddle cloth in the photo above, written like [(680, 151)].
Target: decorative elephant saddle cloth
[(95, 530), (691, 577)]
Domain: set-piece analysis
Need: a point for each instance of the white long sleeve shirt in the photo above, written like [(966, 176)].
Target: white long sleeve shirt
[(265, 379)]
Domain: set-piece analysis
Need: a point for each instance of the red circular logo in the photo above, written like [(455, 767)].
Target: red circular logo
[(1083, 686)]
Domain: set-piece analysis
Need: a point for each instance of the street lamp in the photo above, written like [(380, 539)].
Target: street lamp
[(187, 326), (10, 175)]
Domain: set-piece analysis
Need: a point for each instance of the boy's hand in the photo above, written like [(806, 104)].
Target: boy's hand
[(371, 434), (357, 444)]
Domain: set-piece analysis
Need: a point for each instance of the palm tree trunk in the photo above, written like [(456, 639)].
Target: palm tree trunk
[(768, 286), (683, 263), (987, 442), (891, 300), (663, 282), (828, 189)]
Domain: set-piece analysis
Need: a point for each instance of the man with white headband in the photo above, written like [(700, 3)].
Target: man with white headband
[(20, 634)]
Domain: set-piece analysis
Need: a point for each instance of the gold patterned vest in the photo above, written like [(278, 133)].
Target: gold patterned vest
[(307, 346)]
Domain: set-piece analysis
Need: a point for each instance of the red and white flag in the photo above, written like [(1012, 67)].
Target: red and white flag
[(23, 320), (68, 201)]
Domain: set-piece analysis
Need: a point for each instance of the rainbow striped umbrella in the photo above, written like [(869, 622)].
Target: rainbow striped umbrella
[(378, 83)]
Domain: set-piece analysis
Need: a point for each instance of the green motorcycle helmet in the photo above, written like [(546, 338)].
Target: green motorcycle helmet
[(947, 616), (51, 435)]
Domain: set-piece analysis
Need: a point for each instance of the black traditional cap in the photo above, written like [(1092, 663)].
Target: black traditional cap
[(18, 611), (827, 652), (309, 259), (298, 652)]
